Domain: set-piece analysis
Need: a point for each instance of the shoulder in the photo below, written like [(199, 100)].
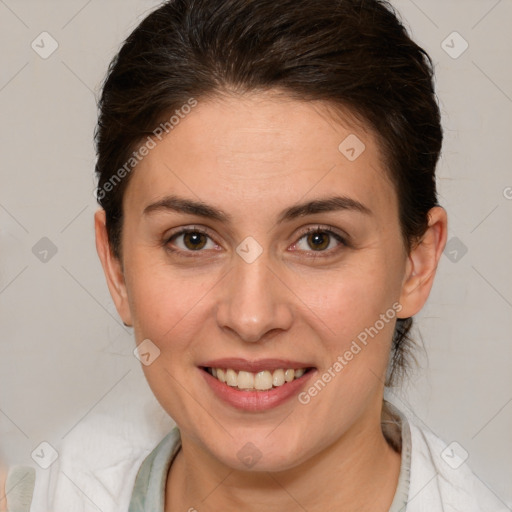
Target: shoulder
[(441, 478), (95, 465)]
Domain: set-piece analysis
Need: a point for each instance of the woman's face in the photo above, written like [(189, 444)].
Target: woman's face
[(249, 290)]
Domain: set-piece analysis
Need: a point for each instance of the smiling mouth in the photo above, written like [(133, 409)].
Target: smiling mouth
[(260, 381)]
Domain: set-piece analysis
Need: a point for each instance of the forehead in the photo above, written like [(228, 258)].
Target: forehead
[(263, 149)]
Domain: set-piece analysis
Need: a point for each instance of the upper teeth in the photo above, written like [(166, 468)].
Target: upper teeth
[(259, 381)]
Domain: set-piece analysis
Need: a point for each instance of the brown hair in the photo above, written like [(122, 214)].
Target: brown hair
[(353, 54)]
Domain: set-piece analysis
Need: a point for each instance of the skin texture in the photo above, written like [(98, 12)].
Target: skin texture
[(253, 156)]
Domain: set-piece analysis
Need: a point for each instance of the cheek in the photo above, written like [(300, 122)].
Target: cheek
[(350, 299), (355, 316), (160, 304), (166, 302)]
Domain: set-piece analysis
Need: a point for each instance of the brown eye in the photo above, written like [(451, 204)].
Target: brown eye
[(194, 240), (188, 241), (319, 240)]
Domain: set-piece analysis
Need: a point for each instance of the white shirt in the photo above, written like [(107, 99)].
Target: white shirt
[(99, 461)]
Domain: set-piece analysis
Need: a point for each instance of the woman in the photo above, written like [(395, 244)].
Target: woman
[(269, 226)]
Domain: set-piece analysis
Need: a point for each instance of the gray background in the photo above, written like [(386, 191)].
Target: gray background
[(65, 355)]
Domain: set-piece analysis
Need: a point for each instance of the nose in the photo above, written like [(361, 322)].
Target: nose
[(254, 302)]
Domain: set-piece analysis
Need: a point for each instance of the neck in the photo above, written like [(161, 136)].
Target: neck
[(358, 472)]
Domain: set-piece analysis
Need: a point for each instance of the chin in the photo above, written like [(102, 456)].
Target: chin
[(259, 451)]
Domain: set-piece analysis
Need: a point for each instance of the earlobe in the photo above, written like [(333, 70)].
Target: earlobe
[(112, 269), (422, 264)]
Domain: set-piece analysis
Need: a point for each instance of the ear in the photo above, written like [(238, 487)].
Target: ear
[(422, 264), (112, 268)]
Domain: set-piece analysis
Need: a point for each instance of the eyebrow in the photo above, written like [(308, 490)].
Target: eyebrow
[(200, 209)]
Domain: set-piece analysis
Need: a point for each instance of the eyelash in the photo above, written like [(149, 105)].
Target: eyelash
[(314, 254)]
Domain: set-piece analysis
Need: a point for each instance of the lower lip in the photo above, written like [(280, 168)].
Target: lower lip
[(256, 400)]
